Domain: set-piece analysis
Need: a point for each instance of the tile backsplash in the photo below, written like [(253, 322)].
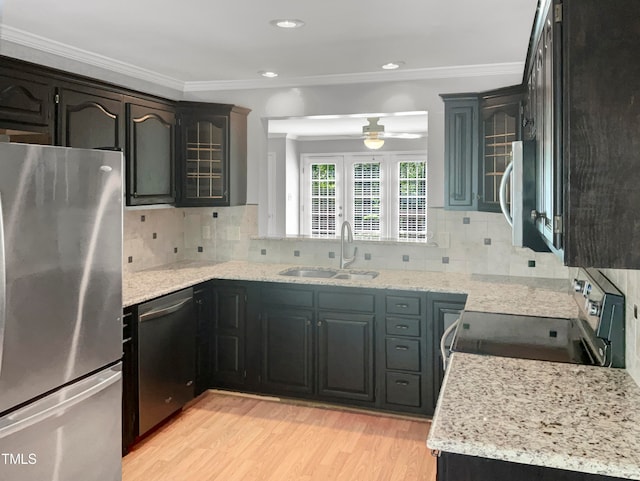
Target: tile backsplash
[(475, 242), (154, 237)]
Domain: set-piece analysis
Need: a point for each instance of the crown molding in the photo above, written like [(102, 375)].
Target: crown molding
[(52, 47), (510, 68)]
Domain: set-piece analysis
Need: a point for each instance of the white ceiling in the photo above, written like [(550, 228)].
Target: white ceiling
[(224, 41)]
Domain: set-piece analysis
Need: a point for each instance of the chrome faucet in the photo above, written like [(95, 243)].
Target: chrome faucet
[(346, 261)]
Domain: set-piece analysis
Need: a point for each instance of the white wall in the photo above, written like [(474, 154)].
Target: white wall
[(348, 99)]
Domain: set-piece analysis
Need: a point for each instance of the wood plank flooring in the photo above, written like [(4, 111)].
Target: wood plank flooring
[(230, 438)]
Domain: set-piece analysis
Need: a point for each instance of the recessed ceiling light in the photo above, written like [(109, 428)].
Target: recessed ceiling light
[(268, 73), (287, 23), (393, 65)]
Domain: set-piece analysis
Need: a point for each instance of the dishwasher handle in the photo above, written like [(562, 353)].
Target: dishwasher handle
[(148, 316)]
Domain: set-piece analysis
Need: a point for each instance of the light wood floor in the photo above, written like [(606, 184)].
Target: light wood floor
[(230, 438)]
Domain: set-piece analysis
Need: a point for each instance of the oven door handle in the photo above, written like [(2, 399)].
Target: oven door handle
[(443, 342), (503, 193)]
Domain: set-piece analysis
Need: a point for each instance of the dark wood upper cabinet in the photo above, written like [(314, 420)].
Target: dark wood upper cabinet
[(479, 130), (212, 155), (26, 108), (500, 125), (461, 151), (150, 153), (583, 114), (90, 118)]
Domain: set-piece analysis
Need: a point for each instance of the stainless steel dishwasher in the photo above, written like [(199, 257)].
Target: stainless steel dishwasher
[(166, 356)]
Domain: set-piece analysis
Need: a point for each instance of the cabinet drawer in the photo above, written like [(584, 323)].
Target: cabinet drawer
[(397, 326), (403, 305), (403, 389), (351, 301), (287, 297), (403, 354)]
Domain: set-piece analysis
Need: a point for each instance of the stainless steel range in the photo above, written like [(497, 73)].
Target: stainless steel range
[(596, 336)]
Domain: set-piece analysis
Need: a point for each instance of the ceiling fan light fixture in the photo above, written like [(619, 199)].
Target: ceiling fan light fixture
[(373, 142)]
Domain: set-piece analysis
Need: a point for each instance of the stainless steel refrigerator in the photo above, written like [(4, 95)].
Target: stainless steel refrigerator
[(60, 313)]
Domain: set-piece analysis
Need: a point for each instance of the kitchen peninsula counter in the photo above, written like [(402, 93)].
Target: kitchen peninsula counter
[(564, 416), (511, 295)]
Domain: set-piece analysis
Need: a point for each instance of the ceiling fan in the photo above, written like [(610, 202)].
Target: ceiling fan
[(374, 134)]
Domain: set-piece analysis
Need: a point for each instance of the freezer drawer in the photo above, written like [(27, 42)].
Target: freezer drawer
[(71, 435)]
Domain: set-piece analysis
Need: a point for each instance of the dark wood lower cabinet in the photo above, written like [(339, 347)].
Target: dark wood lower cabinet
[(458, 467), (345, 356), (227, 350), (287, 350)]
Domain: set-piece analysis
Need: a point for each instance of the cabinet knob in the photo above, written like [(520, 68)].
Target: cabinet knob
[(168, 400), (189, 383), (319, 323)]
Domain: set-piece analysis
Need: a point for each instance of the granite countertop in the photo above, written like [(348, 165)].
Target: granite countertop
[(579, 418), (511, 295)]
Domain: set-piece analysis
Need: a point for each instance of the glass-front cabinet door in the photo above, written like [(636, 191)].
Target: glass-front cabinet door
[(212, 157), (500, 127), (205, 167)]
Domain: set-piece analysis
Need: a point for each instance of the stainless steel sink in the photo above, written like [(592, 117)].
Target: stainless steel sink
[(326, 273), (309, 272), (357, 276)]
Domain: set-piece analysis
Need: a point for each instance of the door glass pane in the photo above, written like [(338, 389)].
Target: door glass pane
[(90, 127), (366, 200), (153, 157), (323, 200), (205, 160), (412, 201)]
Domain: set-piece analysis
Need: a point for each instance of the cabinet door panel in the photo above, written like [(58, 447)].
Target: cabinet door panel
[(287, 350), (90, 120), (229, 333), (345, 356), (24, 101), (150, 149), (461, 153)]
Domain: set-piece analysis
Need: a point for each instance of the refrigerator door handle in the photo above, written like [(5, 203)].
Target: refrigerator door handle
[(3, 283), (50, 406), (503, 193), (147, 316)]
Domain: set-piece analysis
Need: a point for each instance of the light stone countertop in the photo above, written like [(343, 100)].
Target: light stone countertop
[(512, 295), (533, 412), (566, 416)]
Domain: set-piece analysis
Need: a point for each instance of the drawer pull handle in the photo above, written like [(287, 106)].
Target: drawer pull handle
[(402, 382), (128, 339), (402, 306), (402, 326), (402, 348), (168, 400)]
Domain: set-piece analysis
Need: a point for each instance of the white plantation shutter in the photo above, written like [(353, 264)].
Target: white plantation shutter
[(383, 195), (412, 200), (366, 200), (323, 200)]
